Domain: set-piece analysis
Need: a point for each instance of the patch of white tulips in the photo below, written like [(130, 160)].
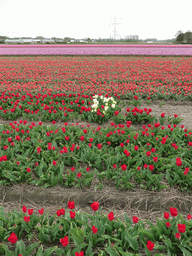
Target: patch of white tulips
[(99, 101)]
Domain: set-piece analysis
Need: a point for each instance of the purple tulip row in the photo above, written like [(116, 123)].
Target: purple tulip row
[(180, 50)]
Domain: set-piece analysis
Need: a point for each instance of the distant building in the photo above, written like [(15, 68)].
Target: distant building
[(13, 41), (48, 41), (57, 40), (132, 37), (43, 41), (81, 41), (36, 41), (27, 40), (149, 42)]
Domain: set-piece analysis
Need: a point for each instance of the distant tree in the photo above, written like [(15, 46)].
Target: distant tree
[(178, 32), (89, 40), (188, 36), (39, 37), (66, 40), (53, 38), (184, 38), (180, 38), (2, 39)]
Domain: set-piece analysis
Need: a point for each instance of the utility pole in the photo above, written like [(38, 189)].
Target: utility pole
[(114, 28)]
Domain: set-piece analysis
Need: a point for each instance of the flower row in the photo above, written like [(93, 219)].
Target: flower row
[(157, 77), (73, 155), (93, 233), (94, 50), (54, 107)]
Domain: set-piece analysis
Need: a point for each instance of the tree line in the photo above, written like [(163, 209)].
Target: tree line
[(184, 38), (180, 38)]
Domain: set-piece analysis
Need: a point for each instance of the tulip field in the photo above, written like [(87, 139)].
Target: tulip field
[(95, 155)]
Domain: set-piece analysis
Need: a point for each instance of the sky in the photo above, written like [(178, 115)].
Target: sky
[(81, 19)]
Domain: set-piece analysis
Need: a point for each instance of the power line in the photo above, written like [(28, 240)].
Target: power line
[(115, 28)]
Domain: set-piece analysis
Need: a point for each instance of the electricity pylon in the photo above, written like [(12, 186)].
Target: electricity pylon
[(115, 28)]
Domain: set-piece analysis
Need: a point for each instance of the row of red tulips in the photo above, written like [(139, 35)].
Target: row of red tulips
[(73, 155), (171, 234), (157, 77)]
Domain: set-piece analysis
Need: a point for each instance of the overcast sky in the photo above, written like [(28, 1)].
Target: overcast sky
[(80, 19)]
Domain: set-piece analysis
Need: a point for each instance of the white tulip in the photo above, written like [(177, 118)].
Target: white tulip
[(94, 106)]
